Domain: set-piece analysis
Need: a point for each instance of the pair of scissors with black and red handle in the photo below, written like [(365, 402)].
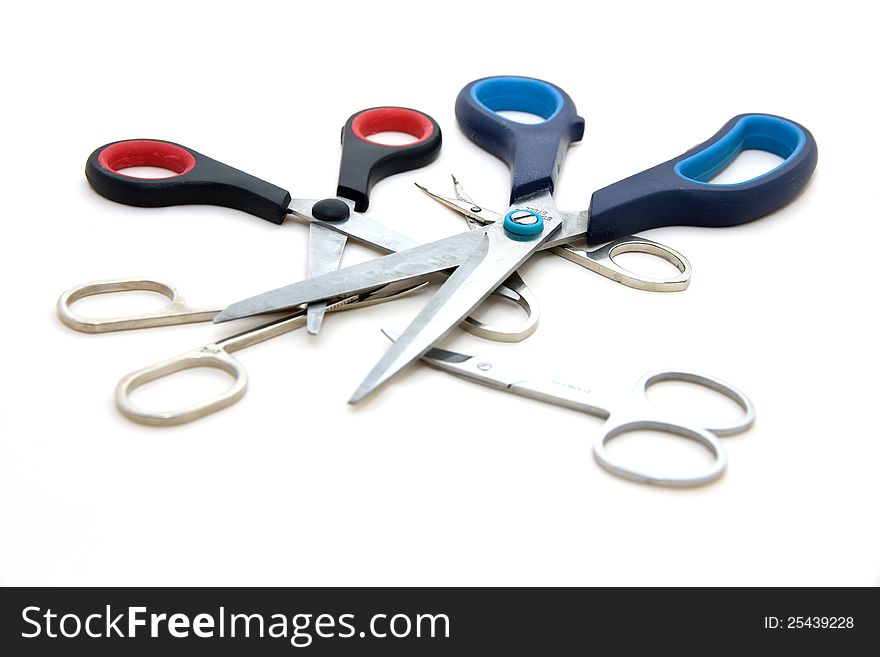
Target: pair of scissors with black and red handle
[(199, 179)]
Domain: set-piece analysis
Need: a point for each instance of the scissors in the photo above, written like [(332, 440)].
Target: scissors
[(199, 179), (217, 355), (599, 260), (672, 193), (634, 414)]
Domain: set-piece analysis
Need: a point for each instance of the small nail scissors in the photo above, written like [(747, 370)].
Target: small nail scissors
[(637, 413), (676, 192), (217, 355)]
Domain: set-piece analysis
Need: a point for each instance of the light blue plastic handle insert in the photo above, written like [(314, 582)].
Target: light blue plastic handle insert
[(679, 192), (534, 152), (762, 132)]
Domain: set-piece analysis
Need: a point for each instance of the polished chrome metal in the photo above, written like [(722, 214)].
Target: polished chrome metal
[(420, 261), (493, 258), (176, 312), (743, 423), (473, 213), (324, 255), (635, 413), (361, 227), (412, 263), (218, 355), (599, 260), (514, 289), (358, 226), (700, 436), (514, 281), (479, 255)]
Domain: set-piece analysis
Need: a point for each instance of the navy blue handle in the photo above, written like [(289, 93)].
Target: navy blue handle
[(534, 152), (676, 193)]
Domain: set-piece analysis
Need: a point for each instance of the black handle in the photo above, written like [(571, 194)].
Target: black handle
[(198, 180), (366, 162)]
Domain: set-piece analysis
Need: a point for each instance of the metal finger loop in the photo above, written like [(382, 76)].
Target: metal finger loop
[(703, 437), (601, 261), (175, 312), (208, 356), (739, 425), (514, 289)]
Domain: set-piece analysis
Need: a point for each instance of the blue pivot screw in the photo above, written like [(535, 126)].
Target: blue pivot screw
[(523, 222)]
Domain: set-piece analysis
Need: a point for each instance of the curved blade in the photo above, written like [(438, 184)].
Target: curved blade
[(411, 263), (495, 258), (474, 214)]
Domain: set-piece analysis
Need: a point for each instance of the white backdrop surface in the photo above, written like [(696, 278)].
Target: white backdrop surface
[(434, 480)]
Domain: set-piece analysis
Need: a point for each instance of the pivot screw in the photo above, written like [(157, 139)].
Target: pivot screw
[(524, 223), (523, 217)]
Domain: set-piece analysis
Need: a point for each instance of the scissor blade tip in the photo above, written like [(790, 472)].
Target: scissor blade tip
[(313, 323), (422, 187), (391, 335), (358, 395), (367, 387)]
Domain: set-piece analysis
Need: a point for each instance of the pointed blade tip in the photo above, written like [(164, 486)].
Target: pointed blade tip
[(223, 316), (314, 319), (391, 335), (359, 394)]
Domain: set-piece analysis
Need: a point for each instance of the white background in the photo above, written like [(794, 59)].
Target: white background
[(434, 480)]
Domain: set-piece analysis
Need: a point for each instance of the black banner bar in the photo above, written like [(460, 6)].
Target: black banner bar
[(444, 621)]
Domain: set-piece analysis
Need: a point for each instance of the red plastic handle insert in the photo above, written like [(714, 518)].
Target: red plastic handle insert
[(146, 153), (392, 119)]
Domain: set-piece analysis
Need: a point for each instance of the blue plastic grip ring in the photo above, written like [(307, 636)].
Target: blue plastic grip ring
[(524, 230), (518, 95), (760, 132)]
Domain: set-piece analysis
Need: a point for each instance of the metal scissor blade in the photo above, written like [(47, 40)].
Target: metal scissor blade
[(359, 226), (411, 263), (475, 214), (324, 255), (459, 191), (495, 258), (472, 368)]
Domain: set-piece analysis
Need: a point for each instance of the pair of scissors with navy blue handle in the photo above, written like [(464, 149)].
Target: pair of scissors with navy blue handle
[(674, 193), (198, 179)]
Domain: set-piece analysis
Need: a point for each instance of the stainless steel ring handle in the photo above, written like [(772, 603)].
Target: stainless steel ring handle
[(743, 423), (208, 356), (176, 312), (601, 261), (707, 437), (701, 436), (514, 289)]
